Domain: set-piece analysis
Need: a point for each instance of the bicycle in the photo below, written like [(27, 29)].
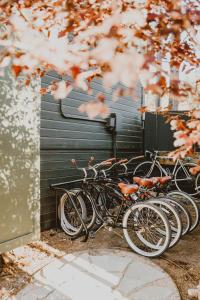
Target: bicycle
[(189, 206), (165, 205), (148, 240), (106, 200), (180, 173)]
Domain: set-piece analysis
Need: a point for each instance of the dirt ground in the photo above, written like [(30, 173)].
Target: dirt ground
[(182, 262), (12, 279)]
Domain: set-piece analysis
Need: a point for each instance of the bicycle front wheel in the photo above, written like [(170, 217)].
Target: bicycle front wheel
[(187, 201), (184, 181), (147, 169), (149, 222)]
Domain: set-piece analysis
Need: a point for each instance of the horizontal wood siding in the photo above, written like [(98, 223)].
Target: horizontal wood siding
[(64, 138)]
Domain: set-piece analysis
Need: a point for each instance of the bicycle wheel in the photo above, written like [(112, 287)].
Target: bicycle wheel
[(173, 218), (90, 217), (187, 201), (184, 181), (146, 169), (184, 215), (197, 184), (144, 219), (69, 219)]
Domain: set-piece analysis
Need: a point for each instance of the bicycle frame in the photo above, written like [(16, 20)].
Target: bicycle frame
[(95, 184), (178, 163)]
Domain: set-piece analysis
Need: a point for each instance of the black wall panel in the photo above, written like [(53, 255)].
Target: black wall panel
[(64, 138), (157, 133)]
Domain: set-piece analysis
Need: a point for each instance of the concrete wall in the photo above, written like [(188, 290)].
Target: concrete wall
[(19, 162)]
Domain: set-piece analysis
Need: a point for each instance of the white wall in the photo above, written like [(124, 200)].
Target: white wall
[(19, 162)]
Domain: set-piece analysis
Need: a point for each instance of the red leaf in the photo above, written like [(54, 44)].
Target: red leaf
[(16, 70), (151, 17), (62, 33), (101, 98), (27, 82), (58, 3), (75, 71), (143, 109), (195, 170), (43, 91)]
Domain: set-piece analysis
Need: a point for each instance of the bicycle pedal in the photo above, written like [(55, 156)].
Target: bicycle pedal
[(98, 222), (92, 234)]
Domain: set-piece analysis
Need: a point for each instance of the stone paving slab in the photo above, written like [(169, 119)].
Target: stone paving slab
[(32, 259), (100, 275)]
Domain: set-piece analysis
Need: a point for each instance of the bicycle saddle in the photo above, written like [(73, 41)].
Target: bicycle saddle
[(161, 180), (128, 188), (165, 179), (145, 182)]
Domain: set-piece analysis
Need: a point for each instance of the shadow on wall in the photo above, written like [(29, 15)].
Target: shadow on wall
[(19, 158)]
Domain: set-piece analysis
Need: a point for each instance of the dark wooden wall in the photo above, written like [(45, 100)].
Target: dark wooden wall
[(64, 138), (157, 132)]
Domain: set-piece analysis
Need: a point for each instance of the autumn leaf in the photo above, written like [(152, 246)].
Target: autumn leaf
[(62, 33), (58, 3), (75, 71), (152, 17), (16, 70), (124, 40), (101, 98), (195, 170), (27, 82), (43, 91), (143, 109)]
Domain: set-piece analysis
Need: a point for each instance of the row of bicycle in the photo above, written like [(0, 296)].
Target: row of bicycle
[(152, 216)]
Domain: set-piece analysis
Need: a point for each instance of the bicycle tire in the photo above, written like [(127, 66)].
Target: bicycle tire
[(190, 204), (184, 214), (169, 210), (135, 209), (197, 183), (90, 217), (66, 225)]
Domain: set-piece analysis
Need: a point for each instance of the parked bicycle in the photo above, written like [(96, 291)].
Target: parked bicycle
[(152, 217), (182, 178)]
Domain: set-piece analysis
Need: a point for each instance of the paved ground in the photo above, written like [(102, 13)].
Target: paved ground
[(100, 275)]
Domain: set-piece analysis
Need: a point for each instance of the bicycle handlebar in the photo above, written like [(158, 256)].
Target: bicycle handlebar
[(111, 159), (115, 164), (122, 161), (153, 154), (134, 158), (105, 163), (93, 168), (147, 151)]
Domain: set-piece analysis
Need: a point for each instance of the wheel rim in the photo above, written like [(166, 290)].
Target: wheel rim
[(183, 184), (161, 242), (190, 205), (183, 214), (70, 221), (173, 218)]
